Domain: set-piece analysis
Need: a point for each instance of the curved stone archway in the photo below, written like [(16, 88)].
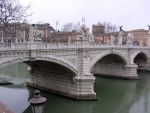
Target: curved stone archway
[(60, 61), (113, 64), (141, 53), (100, 56), (141, 59)]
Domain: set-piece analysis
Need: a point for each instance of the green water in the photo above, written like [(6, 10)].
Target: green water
[(115, 95)]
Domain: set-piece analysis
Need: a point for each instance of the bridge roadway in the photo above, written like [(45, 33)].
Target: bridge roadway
[(68, 68)]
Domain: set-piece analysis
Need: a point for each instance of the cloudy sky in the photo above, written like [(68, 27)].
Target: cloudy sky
[(132, 14)]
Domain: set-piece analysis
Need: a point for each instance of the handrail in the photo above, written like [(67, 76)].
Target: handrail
[(28, 45)]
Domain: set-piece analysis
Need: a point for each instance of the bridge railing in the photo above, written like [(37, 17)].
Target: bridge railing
[(54, 45), (36, 45), (4, 45), (94, 45), (13, 45), (29, 45)]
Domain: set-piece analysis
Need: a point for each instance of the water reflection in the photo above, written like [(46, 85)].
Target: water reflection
[(115, 95), (15, 96), (118, 96)]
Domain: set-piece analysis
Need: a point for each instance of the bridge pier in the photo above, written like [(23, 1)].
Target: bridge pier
[(77, 87), (131, 72)]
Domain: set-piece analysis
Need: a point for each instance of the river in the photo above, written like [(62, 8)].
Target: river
[(114, 95)]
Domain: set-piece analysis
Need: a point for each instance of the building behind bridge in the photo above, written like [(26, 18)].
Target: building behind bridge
[(19, 32), (98, 30)]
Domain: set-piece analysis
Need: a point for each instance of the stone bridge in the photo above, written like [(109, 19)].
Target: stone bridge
[(68, 68)]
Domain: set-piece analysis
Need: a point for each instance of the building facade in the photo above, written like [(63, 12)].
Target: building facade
[(19, 32), (98, 30)]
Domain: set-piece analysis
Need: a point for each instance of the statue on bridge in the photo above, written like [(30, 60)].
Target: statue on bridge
[(38, 33), (120, 28), (83, 33), (91, 39), (35, 35), (130, 39), (149, 27)]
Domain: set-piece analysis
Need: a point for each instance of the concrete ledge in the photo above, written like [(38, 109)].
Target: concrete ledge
[(120, 77)]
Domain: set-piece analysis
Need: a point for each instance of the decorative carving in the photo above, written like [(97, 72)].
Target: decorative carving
[(83, 33), (120, 27), (72, 60), (34, 34), (91, 58), (33, 56), (38, 33), (86, 54), (130, 39), (111, 39), (112, 50), (149, 27), (91, 39)]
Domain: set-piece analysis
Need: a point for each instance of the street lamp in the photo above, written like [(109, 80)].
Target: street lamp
[(37, 102)]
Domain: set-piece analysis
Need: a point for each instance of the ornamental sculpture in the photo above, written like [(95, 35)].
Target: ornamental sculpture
[(83, 33), (129, 39), (120, 27), (91, 39), (149, 27), (35, 35)]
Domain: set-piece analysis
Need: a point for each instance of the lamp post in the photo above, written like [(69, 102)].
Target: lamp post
[(37, 102)]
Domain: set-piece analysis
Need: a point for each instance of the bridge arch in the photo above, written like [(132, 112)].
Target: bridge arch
[(140, 58), (60, 61), (100, 56), (141, 53)]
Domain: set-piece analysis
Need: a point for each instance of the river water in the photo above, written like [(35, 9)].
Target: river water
[(114, 95)]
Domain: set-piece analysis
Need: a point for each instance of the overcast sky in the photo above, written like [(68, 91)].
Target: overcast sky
[(132, 14)]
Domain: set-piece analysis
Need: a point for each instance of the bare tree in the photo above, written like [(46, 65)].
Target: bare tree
[(12, 14), (12, 11), (68, 27), (109, 28)]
